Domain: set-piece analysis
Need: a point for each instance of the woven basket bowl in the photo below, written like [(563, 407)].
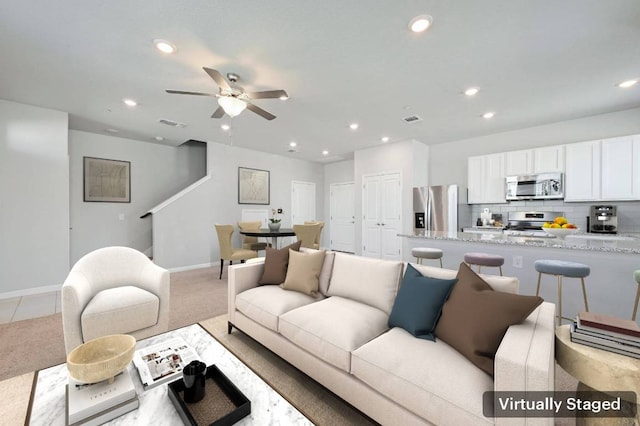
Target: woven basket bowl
[(101, 359)]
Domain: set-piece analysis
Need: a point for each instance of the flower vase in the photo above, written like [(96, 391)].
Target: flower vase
[(274, 226)]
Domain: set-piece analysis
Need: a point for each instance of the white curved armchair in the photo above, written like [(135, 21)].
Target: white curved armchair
[(114, 290)]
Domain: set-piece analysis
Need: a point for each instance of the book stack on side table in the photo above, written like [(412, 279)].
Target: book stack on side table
[(97, 403), (608, 333)]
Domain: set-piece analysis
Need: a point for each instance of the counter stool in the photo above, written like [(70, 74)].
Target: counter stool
[(561, 269), (636, 275), (426, 253), (484, 259)]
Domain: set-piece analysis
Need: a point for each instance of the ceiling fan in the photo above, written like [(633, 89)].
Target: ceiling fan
[(232, 98)]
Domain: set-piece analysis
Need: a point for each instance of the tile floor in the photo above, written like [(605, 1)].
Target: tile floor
[(25, 307)]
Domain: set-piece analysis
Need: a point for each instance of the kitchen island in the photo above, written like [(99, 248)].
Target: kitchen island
[(610, 287)]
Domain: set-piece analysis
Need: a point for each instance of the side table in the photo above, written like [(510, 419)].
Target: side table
[(596, 368)]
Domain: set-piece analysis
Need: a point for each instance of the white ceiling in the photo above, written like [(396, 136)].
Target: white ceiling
[(535, 62)]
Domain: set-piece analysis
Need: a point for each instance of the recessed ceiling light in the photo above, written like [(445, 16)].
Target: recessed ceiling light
[(353, 126), (159, 138), (420, 23), (628, 83), (488, 115), (293, 144), (129, 102), (111, 130), (284, 97), (385, 139), (225, 127), (471, 91), (325, 152), (165, 46)]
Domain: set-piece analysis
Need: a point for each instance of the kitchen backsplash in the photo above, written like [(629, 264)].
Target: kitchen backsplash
[(628, 212)]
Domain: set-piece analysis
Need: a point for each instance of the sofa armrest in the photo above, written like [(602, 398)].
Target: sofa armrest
[(241, 278), (157, 280), (526, 356)]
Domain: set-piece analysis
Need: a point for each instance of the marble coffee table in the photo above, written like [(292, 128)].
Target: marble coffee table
[(268, 407)]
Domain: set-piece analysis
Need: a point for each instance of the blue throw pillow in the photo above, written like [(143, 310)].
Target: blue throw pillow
[(419, 303)]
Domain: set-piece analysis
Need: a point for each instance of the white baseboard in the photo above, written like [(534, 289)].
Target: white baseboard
[(190, 267), (31, 291)]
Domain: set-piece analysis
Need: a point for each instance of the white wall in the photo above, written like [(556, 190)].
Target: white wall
[(34, 198), (398, 157), (184, 233), (157, 172)]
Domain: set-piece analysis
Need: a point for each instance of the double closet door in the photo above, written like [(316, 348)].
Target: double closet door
[(381, 216)]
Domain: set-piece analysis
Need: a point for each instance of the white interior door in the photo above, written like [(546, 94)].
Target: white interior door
[(303, 202), (371, 244), (390, 216), (342, 217), (381, 216)]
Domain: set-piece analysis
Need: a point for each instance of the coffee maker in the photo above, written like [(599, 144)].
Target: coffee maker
[(603, 220)]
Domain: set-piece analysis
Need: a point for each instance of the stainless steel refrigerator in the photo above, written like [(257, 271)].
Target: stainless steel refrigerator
[(435, 208)]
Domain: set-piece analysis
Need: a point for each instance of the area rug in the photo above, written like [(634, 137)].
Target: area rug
[(313, 400)]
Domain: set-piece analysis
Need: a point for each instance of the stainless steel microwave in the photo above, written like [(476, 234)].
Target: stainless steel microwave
[(544, 186)]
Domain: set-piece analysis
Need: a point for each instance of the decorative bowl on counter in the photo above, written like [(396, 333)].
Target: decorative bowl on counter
[(561, 232), (101, 359)]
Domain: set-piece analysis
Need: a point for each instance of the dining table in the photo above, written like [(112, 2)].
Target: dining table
[(274, 234)]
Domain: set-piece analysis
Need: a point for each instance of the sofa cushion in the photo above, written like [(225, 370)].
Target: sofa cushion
[(419, 303), (475, 317), (327, 268), (119, 310), (303, 272), (265, 304), (275, 264), (371, 281), (428, 378), (332, 328), (497, 282)]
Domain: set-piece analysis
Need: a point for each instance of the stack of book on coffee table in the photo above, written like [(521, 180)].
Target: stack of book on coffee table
[(97, 403), (606, 332)]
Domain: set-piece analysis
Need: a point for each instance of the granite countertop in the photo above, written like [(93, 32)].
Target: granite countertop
[(620, 243)]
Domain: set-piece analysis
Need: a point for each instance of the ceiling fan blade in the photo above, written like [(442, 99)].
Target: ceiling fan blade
[(268, 94), (218, 113), (260, 111), (215, 74), (180, 92)]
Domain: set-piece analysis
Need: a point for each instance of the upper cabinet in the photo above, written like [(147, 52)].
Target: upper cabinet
[(582, 166), (548, 159), (621, 168), (485, 179), (532, 161), (518, 162)]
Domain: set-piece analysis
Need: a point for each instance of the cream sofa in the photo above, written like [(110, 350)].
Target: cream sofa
[(340, 339)]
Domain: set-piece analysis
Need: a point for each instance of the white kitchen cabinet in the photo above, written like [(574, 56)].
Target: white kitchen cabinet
[(582, 171), (381, 221), (519, 162), (548, 159), (621, 168), (486, 179)]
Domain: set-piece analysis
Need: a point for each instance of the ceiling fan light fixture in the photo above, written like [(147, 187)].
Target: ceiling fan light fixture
[(232, 105)]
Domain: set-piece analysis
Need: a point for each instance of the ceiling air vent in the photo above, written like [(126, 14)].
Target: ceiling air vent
[(412, 119), (171, 123)]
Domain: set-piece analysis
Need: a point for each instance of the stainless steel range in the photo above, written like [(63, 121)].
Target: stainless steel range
[(529, 224)]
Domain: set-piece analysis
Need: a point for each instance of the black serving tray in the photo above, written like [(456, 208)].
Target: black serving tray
[(223, 403)]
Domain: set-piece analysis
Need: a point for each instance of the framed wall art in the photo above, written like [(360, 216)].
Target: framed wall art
[(253, 186), (106, 181)]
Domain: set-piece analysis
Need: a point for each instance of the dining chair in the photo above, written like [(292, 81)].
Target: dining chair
[(318, 239), (251, 243), (307, 234), (227, 251)]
